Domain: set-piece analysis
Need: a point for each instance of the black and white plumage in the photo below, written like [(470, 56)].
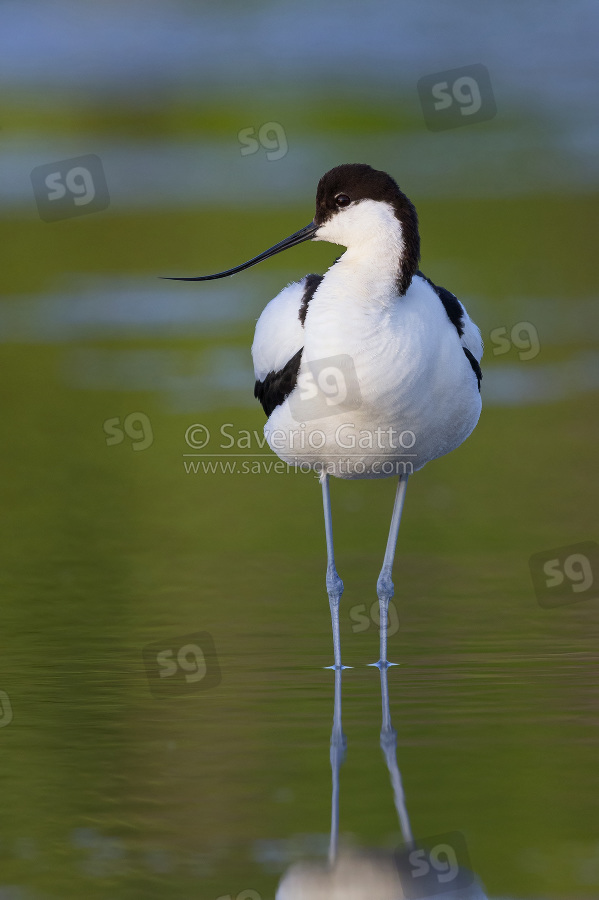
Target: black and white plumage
[(276, 386), (371, 370), (412, 347)]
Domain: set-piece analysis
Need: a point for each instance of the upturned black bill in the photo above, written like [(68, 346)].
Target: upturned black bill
[(304, 234)]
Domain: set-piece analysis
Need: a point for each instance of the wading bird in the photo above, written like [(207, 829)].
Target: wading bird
[(370, 370)]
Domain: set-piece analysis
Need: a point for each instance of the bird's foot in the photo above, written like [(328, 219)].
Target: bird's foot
[(383, 664)]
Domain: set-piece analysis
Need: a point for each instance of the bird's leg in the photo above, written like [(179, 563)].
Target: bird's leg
[(384, 586), (334, 583)]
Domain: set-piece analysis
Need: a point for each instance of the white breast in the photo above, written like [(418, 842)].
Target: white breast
[(384, 385)]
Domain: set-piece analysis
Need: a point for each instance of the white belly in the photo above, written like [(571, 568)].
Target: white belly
[(381, 390)]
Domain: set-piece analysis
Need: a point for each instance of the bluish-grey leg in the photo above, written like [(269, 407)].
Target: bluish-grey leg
[(334, 583), (384, 587)]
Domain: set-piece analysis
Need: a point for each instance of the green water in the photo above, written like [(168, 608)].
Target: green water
[(109, 791)]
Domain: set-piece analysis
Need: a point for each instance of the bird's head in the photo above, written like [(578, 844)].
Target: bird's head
[(361, 208)]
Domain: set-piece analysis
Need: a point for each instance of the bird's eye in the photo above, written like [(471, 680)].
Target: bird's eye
[(342, 200)]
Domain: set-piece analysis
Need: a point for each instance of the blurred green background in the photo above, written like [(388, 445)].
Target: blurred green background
[(109, 791)]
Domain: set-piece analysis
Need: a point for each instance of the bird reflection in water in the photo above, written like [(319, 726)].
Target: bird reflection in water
[(419, 871)]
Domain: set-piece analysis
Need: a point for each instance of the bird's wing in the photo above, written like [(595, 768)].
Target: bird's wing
[(279, 342), (467, 331), (279, 334), (471, 338)]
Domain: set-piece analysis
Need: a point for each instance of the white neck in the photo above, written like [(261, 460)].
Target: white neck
[(373, 236)]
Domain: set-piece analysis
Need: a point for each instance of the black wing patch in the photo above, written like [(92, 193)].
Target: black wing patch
[(311, 283), (277, 386), (455, 313), (452, 305), (475, 365)]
